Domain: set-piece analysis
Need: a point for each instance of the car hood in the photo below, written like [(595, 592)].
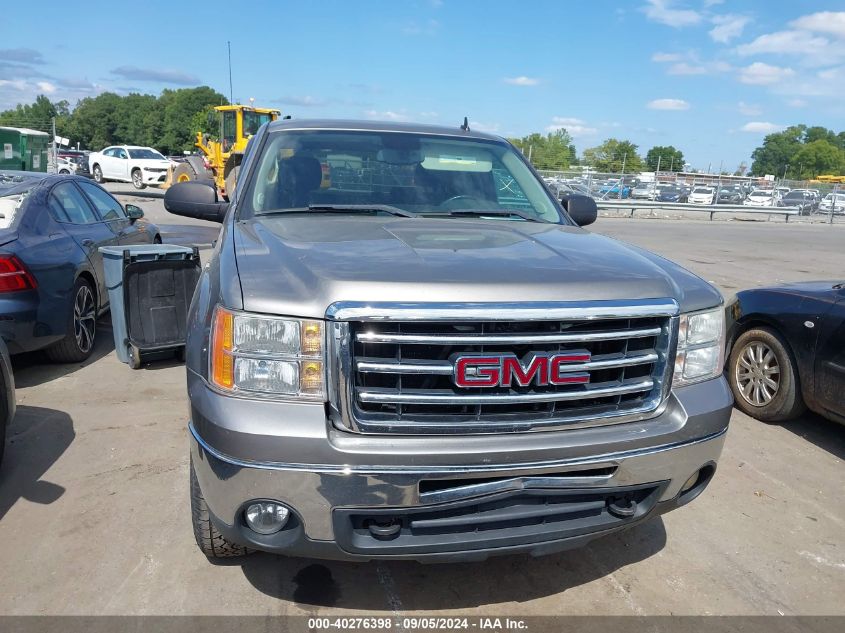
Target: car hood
[(299, 265)]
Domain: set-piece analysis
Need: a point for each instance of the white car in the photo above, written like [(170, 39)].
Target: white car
[(65, 166), (827, 203), (701, 195), (763, 198), (644, 191), (141, 166)]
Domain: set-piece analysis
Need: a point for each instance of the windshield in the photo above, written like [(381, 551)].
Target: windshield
[(253, 121), (145, 153), (416, 173), (700, 190)]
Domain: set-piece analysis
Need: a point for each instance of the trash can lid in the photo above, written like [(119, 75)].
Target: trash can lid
[(144, 249)]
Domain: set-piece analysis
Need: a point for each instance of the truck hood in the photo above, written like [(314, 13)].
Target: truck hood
[(298, 265)]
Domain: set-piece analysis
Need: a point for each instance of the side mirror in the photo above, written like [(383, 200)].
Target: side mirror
[(582, 209), (195, 200), (133, 212)]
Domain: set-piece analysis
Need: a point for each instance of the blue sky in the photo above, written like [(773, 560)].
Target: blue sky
[(708, 76)]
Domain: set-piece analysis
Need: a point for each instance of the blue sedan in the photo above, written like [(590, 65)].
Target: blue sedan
[(52, 287)]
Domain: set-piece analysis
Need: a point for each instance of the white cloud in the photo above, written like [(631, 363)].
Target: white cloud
[(576, 127), (46, 86), (661, 11), (304, 101), (749, 109), (492, 128), (829, 22), (761, 127), (796, 103), (712, 3), (666, 57), (522, 80), (727, 27), (785, 42), (386, 115), (668, 104), (428, 27), (760, 74)]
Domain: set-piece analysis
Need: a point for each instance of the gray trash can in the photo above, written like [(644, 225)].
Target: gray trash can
[(150, 288)]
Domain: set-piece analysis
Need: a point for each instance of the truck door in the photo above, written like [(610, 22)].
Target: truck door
[(830, 358)]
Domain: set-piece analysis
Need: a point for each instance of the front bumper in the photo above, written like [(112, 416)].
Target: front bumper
[(432, 482), (153, 177)]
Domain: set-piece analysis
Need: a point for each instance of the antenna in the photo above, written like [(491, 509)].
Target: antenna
[(465, 126), (231, 94)]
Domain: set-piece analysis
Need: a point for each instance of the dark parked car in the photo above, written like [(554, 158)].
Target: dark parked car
[(787, 350), (7, 395), (672, 194), (804, 200), (52, 286), (730, 195)]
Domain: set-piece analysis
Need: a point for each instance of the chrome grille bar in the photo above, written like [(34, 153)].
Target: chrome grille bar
[(445, 368), (504, 339), (391, 396)]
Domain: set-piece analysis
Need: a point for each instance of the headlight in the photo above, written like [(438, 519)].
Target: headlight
[(701, 345), (275, 356)]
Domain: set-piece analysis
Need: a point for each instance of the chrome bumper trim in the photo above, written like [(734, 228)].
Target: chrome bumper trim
[(607, 459)]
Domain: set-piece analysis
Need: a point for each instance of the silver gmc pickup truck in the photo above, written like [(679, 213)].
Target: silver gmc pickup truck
[(403, 346)]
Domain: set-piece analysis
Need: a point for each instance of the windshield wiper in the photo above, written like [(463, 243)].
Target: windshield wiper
[(480, 213), (343, 208)]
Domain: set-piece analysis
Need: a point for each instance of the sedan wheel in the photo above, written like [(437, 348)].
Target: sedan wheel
[(137, 179), (764, 377), (98, 174), (84, 319), (78, 344), (757, 374)]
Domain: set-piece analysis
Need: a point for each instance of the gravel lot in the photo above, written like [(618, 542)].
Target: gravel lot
[(95, 517)]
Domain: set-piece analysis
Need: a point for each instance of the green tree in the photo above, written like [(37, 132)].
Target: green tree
[(554, 151), (179, 108), (666, 157), (777, 151), (613, 155), (818, 157)]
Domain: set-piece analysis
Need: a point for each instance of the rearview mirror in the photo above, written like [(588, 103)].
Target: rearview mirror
[(582, 209), (133, 212), (195, 200)]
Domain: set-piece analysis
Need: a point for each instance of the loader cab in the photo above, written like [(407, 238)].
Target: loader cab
[(238, 123)]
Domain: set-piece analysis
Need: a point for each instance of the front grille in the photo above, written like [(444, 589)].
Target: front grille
[(400, 373)]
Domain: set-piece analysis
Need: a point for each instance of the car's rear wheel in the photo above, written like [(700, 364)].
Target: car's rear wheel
[(78, 343), (210, 541), (763, 376), (98, 175), (138, 179)]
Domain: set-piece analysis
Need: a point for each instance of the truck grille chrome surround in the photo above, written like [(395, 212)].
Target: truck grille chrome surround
[(391, 365)]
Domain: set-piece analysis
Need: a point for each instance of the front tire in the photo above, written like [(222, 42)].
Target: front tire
[(764, 377), (210, 541), (98, 175), (138, 179), (183, 172), (78, 343)]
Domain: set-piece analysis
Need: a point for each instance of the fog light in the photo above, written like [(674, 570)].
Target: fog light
[(689, 483), (266, 517)]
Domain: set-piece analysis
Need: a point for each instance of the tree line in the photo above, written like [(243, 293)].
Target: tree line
[(555, 151), (800, 152), (168, 122)]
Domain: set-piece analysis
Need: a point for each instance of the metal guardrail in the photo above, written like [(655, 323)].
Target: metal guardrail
[(635, 205)]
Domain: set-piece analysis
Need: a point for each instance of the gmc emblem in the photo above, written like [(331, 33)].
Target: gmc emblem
[(503, 370)]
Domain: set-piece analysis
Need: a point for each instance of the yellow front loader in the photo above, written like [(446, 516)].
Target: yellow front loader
[(221, 157)]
